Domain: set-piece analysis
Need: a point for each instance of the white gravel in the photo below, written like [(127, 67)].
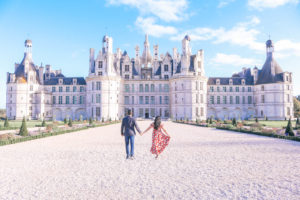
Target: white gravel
[(199, 163)]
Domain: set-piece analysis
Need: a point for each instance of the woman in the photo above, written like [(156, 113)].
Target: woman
[(159, 139)]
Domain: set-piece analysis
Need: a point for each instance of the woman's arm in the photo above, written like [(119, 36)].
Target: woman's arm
[(147, 129), (166, 133)]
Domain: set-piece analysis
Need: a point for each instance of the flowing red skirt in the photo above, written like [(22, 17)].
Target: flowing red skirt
[(159, 141)]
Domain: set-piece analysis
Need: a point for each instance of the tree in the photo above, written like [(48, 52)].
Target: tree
[(6, 123), (90, 121), (70, 124), (23, 130), (210, 120), (297, 107), (289, 129), (256, 120), (234, 121), (43, 123), (298, 123), (65, 121)]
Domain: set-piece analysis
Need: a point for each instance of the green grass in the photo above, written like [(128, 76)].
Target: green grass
[(16, 124), (273, 124)]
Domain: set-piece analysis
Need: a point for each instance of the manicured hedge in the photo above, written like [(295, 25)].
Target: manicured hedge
[(43, 135)]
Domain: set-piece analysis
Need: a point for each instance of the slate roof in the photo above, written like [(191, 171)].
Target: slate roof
[(158, 71), (225, 81), (66, 81), (270, 72), (134, 72)]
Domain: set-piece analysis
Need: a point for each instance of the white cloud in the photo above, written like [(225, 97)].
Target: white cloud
[(285, 48), (224, 3), (232, 59), (166, 10), (261, 4), (148, 25), (242, 34)]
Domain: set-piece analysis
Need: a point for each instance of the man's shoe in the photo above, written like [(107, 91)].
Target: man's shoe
[(127, 157), (132, 157)]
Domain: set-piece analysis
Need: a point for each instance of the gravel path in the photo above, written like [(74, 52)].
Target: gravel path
[(199, 163)]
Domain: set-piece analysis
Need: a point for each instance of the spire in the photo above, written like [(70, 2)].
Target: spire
[(146, 58)]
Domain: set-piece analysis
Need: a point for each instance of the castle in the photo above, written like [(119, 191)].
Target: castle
[(172, 86)]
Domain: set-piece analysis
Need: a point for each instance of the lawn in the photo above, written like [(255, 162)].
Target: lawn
[(275, 124)]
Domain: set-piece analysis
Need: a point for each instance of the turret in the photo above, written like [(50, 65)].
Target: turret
[(155, 47), (41, 74), (186, 54), (92, 60)]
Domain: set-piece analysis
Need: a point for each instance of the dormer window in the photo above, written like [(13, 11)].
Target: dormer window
[(74, 81), (230, 81), (243, 81), (60, 81), (166, 68), (218, 82)]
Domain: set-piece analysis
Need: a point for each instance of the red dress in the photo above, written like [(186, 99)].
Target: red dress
[(159, 141)]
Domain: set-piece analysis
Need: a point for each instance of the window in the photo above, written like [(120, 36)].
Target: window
[(74, 99), (263, 98), (99, 73), (152, 88), (126, 68), (197, 98), (166, 99), (126, 76), (132, 87), (98, 111), (74, 88), (249, 100), (249, 89), (53, 100), (166, 113), (218, 99), (237, 89), (98, 98), (68, 89), (126, 100), (147, 88), (243, 89), (53, 89), (98, 85), (244, 100), (224, 89), (60, 89), (67, 100), (202, 111), (230, 89), (81, 89), (288, 98), (201, 86), (218, 89), (199, 64), (81, 100), (93, 85), (166, 77), (127, 88), (231, 99), (141, 89), (197, 111), (237, 100), (160, 87), (132, 100), (141, 112), (60, 100), (166, 88), (201, 98), (262, 88), (288, 111), (141, 100), (224, 99), (152, 100), (166, 68), (146, 99), (212, 100), (152, 111), (100, 64), (211, 88), (160, 99)]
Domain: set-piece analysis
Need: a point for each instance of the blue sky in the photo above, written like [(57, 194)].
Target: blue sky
[(232, 33)]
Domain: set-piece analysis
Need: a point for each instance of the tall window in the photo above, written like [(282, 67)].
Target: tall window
[(100, 64), (146, 87), (81, 89), (244, 100), (126, 100), (132, 100), (231, 99), (224, 99), (98, 85), (201, 86), (249, 89), (60, 100), (132, 87), (237, 89), (224, 89), (166, 87), (160, 87), (67, 89), (141, 89), (53, 89), (166, 77), (212, 100), (218, 99), (237, 100), (60, 89), (81, 100), (54, 100), (166, 68), (127, 88), (218, 89), (202, 111), (126, 68), (126, 76), (98, 111), (152, 100), (141, 100), (197, 98), (230, 89), (166, 99), (152, 88), (98, 98), (74, 99), (201, 98), (67, 100), (263, 98), (147, 99), (211, 88), (160, 99), (74, 88), (249, 99)]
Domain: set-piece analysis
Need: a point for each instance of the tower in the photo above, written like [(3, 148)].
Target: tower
[(146, 58)]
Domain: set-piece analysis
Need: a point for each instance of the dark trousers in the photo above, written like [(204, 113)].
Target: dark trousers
[(129, 138)]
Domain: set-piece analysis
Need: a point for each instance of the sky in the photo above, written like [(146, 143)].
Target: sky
[(232, 33)]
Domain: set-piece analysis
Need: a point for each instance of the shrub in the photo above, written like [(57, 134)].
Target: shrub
[(23, 130), (90, 121), (298, 123), (256, 119), (49, 127), (197, 121), (210, 120), (6, 123), (65, 121), (234, 122), (102, 119), (43, 123), (70, 124), (289, 129)]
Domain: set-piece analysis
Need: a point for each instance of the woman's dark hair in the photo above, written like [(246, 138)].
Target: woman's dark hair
[(157, 122)]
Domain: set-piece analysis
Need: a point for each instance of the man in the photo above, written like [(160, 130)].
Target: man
[(127, 130)]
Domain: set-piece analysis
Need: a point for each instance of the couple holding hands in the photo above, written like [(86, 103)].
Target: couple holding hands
[(160, 137)]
